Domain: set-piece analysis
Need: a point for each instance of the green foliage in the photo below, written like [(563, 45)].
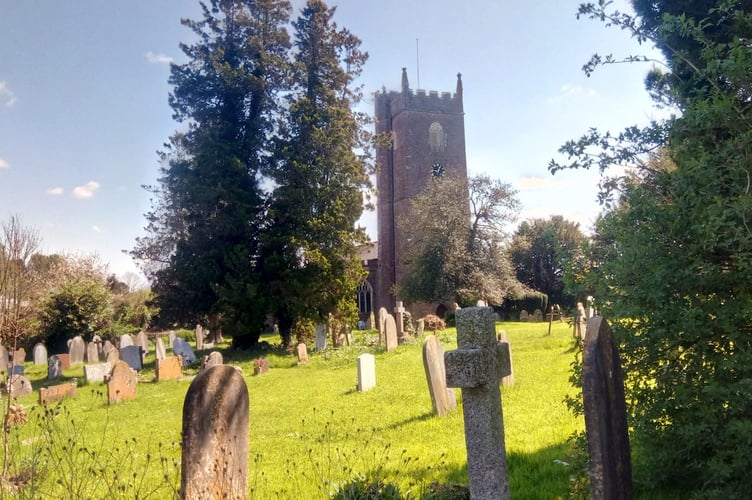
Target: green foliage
[(132, 310), (669, 261)]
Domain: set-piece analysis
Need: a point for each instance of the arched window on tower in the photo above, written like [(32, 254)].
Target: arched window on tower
[(365, 297), (437, 138)]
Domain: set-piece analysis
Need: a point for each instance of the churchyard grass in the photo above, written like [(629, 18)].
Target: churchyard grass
[(312, 432)]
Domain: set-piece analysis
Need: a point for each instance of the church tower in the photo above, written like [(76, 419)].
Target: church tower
[(427, 132)]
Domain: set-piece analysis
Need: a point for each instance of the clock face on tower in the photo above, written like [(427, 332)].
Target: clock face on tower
[(437, 169)]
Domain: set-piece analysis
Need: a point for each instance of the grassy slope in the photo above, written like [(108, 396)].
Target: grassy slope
[(310, 428)]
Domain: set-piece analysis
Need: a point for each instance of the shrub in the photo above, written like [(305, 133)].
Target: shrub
[(433, 322)]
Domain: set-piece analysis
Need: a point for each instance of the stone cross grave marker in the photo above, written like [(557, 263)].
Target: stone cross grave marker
[(508, 380), (159, 349), (181, 348), (40, 354), (442, 397), (214, 358), (390, 333), (399, 319), (302, 353), (383, 313), (215, 436), (605, 414), (321, 336), (477, 367), (169, 368), (133, 355), (92, 353), (76, 350), (366, 372), (121, 385)]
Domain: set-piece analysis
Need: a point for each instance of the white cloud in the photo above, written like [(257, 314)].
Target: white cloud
[(7, 96), (55, 191), (531, 183), (4, 163), (86, 191), (568, 91), (96, 229), (157, 58)]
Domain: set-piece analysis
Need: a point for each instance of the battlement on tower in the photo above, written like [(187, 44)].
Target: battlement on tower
[(390, 103)]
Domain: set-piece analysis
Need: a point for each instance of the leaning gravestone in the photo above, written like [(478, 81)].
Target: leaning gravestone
[(477, 366), (121, 385), (169, 368), (366, 372), (3, 359), (181, 348), (302, 353), (125, 340), (509, 379), (76, 350), (214, 358), (605, 414), (97, 373), (159, 349), (54, 367), (19, 386), (442, 397), (133, 356), (215, 436), (390, 333), (92, 353), (321, 336), (40, 354)]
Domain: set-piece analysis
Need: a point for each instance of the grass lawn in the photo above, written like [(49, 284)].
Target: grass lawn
[(310, 430)]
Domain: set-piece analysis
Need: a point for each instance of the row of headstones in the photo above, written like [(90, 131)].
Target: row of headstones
[(536, 316)]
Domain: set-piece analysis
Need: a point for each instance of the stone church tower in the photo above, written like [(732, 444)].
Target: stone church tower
[(427, 133)]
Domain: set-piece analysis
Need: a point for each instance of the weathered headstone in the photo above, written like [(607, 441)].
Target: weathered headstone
[(92, 353), (383, 313), (366, 372), (159, 349), (524, 316), (97, 341), (214, 358), (390, 333), (125, 340), (97, 373), (171, 336), (169, 368), (54, 367), (121, 385), (57, 392), (181, 348), (260, 366), (143, 341), (321, 336), (199, 338), (302, 353), (605, 414), (106, 348), (442, 397), (131, 354), (215, 436), (19, 386), (477, 367), (371, 321), (40, 354), (112, 356), (65, 360), (537, 315), (580, 322), (399, 319), (507, 380), (3, 359), (19, 356), (76, 350), (17, 370), (421, 327)]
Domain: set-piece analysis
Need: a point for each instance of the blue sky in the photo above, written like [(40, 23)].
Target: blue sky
[(83, 101)]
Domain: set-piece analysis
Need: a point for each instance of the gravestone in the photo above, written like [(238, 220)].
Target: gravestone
[(17, 370), (19, 356), (54, 367), (508, 380), (133, 356), (125, 340), (171, 336), (399, 319), (477, 367), (76, 350), (143, 341), (215, 436), (383, 313), (121, 385), (181, 348), (260, 366), (605, 414), (302, 353), (112, 356), (524, 316), (321, 336), (214, 358), (537, 315), (65, 360), (421, 327), (57, 392), (199, 338), (92, 353), (40, 354), (580, 322), (97, 341), (97, 373), (106, 348), (371, 321), (19, 386), (159, 349), (169, 368), (390, 333), (3, 359), (442, 397), (366, 372)]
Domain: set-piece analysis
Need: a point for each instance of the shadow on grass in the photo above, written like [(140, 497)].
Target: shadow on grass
[(408, 421)]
